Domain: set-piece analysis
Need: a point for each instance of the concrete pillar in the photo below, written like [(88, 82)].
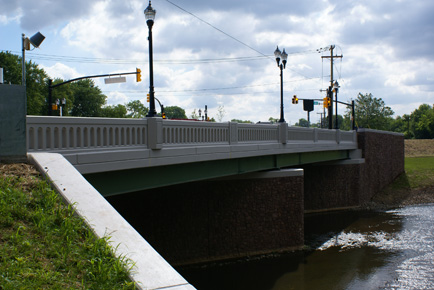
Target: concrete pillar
[(155, 133)]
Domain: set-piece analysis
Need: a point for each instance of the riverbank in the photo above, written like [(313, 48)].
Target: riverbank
[(416, 185), (44, 245)]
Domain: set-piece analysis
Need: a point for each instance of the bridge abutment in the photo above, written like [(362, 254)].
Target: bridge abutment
[(220, 219), (352, 183)]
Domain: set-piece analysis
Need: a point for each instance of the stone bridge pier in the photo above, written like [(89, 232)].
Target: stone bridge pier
[(258, 213)]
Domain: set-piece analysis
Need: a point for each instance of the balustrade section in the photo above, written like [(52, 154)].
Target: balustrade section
[(258, 133), (69, 133), (191, 132)]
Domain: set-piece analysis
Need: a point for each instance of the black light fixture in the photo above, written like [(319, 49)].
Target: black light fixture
[(150, 16), (281, 56), (36, 41)]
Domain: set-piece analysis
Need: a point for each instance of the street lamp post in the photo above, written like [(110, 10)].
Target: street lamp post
[(335, 89), (150, 16), (281, 56)]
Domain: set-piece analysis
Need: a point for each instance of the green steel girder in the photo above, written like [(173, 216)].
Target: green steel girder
[(131, 180)]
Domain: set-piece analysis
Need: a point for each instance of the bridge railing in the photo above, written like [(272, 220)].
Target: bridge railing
[(68, 133), (59, 134)]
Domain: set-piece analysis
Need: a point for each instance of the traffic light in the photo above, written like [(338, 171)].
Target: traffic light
[(163, 115), (147, 98), (326, 102), (294, 99), (138, 75)]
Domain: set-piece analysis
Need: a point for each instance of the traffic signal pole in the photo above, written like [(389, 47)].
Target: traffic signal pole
[(51, 86)]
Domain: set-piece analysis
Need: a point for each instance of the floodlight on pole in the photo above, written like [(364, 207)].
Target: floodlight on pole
[(36, 41)]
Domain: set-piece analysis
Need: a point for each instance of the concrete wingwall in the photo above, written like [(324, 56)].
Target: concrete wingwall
[(343, 184)]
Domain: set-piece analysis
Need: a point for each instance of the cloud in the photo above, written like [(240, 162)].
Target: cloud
[(386, 47)]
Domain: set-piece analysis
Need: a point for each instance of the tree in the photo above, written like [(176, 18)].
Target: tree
[(422, 122), (273, 120), (136, 109), (63, 92), (220, 113), (372, 113), (302, 123), (118, 111), (175, 112), (194, 115), (241, 121), (88, 99)]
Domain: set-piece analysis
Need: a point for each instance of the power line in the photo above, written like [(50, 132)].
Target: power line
[(221, 31)]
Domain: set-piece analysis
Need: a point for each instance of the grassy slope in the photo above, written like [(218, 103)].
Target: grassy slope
[(44, 245)]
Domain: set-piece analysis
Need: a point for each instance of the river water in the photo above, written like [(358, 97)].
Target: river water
[(353, 250)]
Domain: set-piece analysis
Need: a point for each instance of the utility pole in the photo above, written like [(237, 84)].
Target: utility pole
[(329, 91)]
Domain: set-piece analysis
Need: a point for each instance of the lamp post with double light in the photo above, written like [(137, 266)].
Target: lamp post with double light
[(150, 16), (281, 56)]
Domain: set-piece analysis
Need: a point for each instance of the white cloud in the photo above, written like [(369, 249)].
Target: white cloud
[(386, 47), (61, 71)]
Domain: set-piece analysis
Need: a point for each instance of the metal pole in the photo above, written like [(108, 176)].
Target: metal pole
[(152, 112), (308, 119), (282, 119), (354, 115), (330, 112), (23, 59), (50, 109), (336, 108)]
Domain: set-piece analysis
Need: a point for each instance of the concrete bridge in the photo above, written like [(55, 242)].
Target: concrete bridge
[(221, 190)]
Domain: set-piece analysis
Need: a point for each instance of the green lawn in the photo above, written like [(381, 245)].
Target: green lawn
[(44, 245), (420, 171)]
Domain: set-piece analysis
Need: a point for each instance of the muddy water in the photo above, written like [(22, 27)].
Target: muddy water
[(356, 250)]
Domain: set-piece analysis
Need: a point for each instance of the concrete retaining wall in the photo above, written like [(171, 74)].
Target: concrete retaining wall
[(219, 219)]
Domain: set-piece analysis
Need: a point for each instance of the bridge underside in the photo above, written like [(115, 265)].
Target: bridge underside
[(132, 180)]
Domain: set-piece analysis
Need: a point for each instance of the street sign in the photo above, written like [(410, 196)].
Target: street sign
[(316, 103), (115, 80)]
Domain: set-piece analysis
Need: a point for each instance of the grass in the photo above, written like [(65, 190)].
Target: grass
[(420, 171), (44, 245)]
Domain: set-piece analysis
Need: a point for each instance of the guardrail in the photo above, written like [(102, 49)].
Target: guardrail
[(57, 134)]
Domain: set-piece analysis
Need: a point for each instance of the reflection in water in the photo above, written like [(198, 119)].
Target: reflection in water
[(365, 250)]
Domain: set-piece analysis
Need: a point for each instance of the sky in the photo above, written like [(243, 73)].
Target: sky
[(220, 53)]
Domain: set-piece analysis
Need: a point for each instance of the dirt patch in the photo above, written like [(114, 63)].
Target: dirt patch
[(418, 148), (25, 173)]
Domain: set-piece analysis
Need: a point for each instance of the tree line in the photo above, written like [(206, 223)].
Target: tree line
[(82, 98), (85, 99)]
